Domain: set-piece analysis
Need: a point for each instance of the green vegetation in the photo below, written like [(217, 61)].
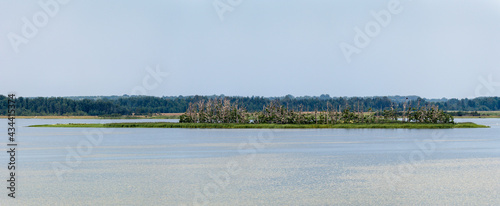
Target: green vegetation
[(130, 107), (214, 111), (223, 111), (169, 116), (475, 114), (272, 126)]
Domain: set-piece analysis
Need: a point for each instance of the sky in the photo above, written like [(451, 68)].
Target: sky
[(433, 49)]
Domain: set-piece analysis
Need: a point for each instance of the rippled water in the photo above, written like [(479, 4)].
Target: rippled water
[(137, 166)]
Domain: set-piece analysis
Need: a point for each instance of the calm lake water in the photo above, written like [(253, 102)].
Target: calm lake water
[(137, 166)]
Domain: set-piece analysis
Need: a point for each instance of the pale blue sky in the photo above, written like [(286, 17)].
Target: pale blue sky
[(267, 48)]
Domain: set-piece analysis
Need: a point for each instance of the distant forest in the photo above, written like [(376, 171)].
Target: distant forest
[(146, 105)]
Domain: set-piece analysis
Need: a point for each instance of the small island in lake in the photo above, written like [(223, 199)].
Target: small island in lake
[(222, 113)]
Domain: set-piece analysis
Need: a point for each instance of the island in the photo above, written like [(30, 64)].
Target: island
[(223, 114)]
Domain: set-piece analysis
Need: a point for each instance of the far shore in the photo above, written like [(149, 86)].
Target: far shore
[(484, 114), (272, 126), (162, 116), (53, 117)]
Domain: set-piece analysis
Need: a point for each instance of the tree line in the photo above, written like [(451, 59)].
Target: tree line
[(223, 111), (146, 105)]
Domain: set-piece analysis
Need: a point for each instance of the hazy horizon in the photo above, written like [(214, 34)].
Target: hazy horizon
[(71, 96)]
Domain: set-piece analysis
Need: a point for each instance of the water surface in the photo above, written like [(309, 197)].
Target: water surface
[(159, 166)]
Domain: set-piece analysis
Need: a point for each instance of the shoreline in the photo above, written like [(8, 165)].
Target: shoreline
[(168, 116), (476, 117), (270, 126), (53, 117), (485, 115)]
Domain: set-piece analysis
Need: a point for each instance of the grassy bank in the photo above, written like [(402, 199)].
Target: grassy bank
[(53, 117), (482, 114), (272, 126), (163, 116)]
